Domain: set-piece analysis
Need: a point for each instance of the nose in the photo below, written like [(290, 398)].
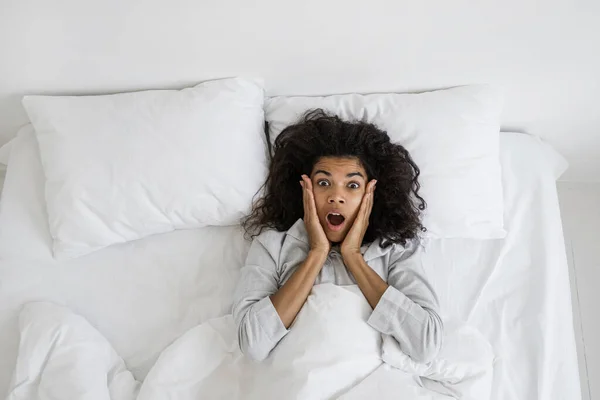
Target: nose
[(336, 197)]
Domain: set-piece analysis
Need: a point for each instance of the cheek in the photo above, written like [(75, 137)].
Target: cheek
[(354, 203)]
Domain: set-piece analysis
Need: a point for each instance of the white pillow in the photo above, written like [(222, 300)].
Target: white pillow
[(125, 166), (453, 136)]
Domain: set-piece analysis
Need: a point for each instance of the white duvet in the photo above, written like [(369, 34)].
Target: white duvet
[(330, 349)]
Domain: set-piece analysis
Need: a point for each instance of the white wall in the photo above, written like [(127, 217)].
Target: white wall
[(545, 53)]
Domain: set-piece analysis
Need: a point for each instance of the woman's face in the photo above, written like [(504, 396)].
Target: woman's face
[(339, 184)]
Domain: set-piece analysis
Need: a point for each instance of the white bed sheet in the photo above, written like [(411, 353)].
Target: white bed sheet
[(142, 295)]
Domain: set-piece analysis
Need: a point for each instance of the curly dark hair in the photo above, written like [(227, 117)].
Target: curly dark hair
[(397, 205)]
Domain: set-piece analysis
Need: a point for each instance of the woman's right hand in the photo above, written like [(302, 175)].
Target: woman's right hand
[(316, 235)]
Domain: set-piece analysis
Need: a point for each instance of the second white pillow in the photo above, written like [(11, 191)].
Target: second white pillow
[(453, 136)]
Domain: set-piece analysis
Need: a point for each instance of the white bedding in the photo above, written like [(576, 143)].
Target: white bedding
[(143, 295), (329, 352)]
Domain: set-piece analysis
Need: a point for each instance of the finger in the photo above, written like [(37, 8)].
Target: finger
[(309, 185), (370, 206), (372, 185), (369, 199), (304, 199), (366, 207), (306, 185), (362, 210), (310, 210), (310, 195), (311, 204), (364, 203)]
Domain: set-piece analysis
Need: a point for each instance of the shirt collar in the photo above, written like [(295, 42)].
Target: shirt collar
[(369, 251)]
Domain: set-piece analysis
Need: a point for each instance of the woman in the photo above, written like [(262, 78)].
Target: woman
[(337, 208)]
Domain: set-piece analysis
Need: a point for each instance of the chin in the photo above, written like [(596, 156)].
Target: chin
[(336, 237)]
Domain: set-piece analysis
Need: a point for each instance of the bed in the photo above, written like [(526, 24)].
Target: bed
[(142, 295)]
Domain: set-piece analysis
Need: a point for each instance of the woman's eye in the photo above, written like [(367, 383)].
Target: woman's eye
[(353, 185), (323, 183)]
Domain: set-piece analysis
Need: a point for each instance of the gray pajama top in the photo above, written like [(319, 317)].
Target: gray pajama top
[(408, 310)]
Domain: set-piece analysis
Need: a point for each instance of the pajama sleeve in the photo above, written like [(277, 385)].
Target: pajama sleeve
[(409, 309), (258, 324)]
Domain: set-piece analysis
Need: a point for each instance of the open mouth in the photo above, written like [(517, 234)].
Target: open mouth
[(335, 221)]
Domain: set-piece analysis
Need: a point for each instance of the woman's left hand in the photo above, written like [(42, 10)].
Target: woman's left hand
[(353, 240)]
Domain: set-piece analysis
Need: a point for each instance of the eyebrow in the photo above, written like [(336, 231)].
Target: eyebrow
[(350, 175)]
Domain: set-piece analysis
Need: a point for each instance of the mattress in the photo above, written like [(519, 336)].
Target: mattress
[(143, 295)]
